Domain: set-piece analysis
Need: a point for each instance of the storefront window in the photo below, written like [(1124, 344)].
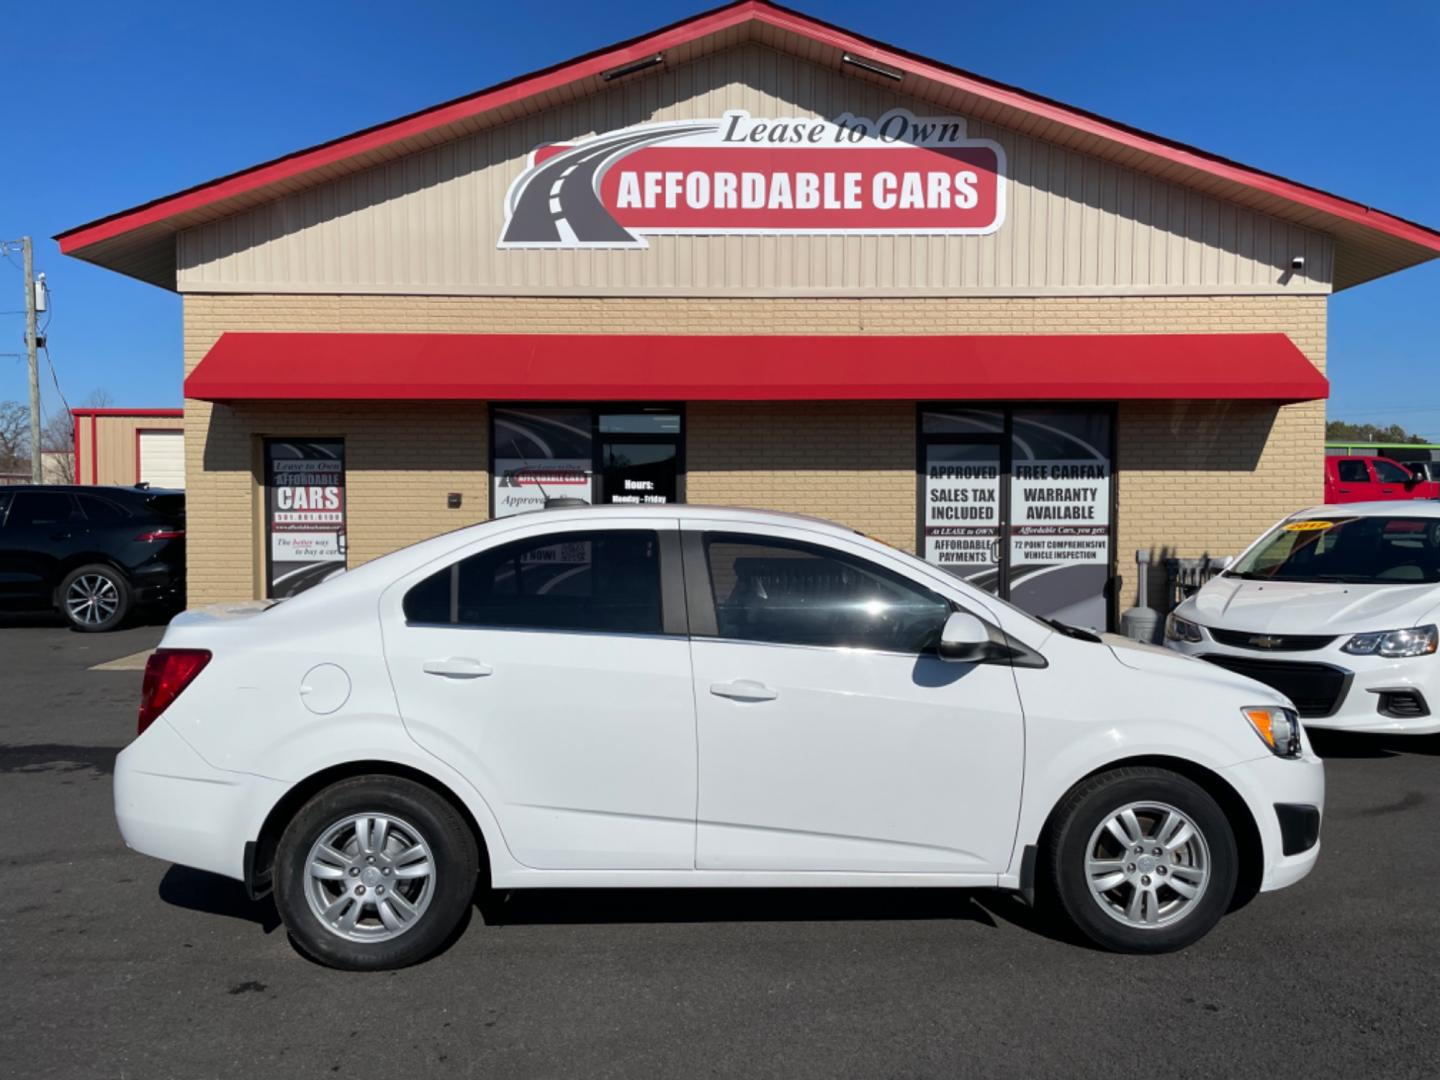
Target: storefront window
[(1018, 501), (1060, 548), (304, 513), (617, 454)]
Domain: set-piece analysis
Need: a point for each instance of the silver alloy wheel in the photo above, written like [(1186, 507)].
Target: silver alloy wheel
[(1147, 865), (369, 877), (92, 599)]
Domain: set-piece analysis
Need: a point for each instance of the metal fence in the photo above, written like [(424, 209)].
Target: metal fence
[(1183, 577)]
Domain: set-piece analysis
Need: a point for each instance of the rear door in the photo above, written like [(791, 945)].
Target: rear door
[(1353, 482), (551, 666), (42, 529), (831, 735)]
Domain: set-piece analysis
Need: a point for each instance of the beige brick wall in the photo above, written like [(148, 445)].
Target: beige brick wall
[(1194, 477)]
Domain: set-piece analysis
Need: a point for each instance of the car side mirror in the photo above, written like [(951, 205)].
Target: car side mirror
[(966, 640)]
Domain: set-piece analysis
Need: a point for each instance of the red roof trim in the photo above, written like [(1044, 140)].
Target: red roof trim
[(619, 367), (687, 30), (77, 413)]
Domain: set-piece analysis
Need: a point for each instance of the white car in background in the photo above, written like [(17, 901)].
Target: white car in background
[(687, 696), (1337, 608)]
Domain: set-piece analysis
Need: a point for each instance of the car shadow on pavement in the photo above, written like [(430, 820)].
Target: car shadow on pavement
[(540, 907), (198, 890), (1343, 745)]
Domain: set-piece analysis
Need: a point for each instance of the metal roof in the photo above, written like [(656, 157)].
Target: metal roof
[(1369, 243)]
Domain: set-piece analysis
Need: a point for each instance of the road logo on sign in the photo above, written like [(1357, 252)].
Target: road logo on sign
[(901, 174)]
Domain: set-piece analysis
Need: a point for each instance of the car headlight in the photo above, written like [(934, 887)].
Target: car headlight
[(1278, 728), (1178, 629), (1416, 641)]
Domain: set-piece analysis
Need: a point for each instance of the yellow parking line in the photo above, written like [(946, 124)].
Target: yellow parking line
[(133, 662)]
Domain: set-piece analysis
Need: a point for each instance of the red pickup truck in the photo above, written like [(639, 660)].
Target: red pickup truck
[(1373, 479)]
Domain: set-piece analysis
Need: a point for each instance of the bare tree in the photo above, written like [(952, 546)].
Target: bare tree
[(14, 437), (57, 438)]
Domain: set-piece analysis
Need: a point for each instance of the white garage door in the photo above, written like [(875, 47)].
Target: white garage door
[(162, 458)]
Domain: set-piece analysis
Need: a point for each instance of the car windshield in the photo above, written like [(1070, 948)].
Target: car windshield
[(1351, 550)]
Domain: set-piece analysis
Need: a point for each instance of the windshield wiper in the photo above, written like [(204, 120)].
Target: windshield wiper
[(1071, 631)]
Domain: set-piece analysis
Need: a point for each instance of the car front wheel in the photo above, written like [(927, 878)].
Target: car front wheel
[(1142, 860), (95, 598), (375, 872)]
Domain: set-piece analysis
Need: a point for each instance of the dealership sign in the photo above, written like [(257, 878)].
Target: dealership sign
[(901, 174)]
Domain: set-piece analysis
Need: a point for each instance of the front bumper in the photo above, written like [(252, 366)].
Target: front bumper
[(171, 804), (1269, 784), (1364, 695)]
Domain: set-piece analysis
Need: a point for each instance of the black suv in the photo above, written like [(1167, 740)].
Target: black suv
[(94, 554)]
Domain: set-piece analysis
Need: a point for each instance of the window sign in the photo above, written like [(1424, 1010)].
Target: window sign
[(616, 455), (962, 510), (540, 454), (1060, 513), (304, 512)]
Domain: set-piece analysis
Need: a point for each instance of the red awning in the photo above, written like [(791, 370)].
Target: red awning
[(654, 367)]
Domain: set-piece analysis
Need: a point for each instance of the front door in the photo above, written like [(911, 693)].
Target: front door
[(831, 736), (552, 668)]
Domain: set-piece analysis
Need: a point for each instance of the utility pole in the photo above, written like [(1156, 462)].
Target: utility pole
[(30, 333)]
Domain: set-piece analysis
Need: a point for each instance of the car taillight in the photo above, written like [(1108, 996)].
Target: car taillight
[(160, 534), (167, 672)]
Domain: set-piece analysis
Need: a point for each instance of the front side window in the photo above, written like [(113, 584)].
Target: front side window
[(603, 581), (792, 593), (1390, 473), (1356, 550)]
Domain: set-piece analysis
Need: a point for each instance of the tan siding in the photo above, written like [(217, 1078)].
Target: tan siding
[(429, 222), (113, 461), (1193, 477)]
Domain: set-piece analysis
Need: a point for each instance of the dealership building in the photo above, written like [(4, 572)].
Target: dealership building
[(754, 259)]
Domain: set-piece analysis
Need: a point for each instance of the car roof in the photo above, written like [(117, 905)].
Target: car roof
[(1387, 508), (737, 514), (93, 489)]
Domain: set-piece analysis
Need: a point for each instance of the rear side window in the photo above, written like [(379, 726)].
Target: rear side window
[(604, 581), (1352, 472), (1390, 473), (42, 508), (101, 511), (791, 593)]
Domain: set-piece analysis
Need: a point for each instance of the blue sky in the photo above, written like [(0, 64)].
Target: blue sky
[(126, 102)]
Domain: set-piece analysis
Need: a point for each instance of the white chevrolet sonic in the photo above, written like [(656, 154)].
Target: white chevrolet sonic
[(690, 696), (1338, 608)]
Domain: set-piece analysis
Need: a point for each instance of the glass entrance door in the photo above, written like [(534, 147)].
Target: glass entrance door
[(1019, 501)]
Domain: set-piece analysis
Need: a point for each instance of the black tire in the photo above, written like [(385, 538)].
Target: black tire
[(95, 579), (414, 808), (1085, 810)]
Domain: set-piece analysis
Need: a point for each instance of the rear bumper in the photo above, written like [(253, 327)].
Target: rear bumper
[(170, 804), (1269, 784)]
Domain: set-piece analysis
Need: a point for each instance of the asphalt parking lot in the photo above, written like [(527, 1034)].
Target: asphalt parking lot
[(121, 966)]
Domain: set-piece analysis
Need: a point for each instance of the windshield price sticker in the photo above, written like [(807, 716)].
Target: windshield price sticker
[(1309, 526)]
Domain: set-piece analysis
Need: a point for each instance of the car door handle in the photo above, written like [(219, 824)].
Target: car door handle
[(1344, 491), (457, 667), (744, 690)]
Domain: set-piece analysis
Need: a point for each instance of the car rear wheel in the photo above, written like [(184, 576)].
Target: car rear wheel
[(1142, 860), (95, 598), (375, 872)]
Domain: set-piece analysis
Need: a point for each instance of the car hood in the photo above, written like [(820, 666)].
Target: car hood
[(1308, 607), (1160, 661)]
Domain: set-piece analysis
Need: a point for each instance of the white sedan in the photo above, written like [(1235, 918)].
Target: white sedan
[(1337, 608), (686, 696)]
